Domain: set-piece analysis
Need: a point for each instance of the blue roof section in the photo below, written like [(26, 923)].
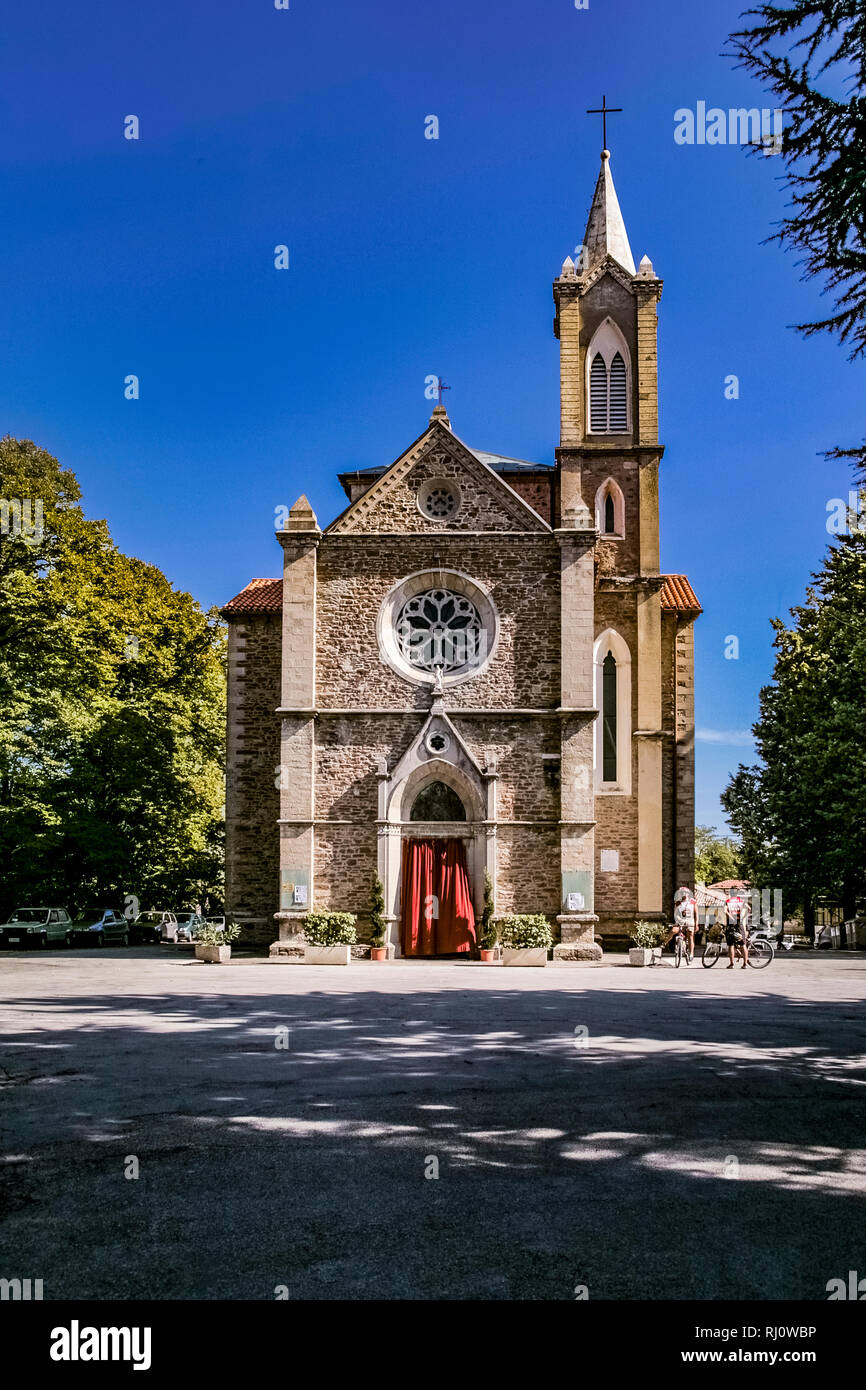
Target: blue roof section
[(502, 462)]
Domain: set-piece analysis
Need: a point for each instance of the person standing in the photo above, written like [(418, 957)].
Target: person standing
[(735, 928)]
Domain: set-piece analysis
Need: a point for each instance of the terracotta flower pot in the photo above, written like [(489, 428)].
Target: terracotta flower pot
[(378, 952), (487, 956)]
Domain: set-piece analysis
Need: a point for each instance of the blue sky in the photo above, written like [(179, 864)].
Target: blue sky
[(408, 257)]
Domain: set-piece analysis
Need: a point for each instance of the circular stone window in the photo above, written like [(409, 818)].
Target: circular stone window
[(437, 625), (439, 499), (437, 743)]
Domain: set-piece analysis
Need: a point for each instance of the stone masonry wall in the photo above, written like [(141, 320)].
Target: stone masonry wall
[(537, 491), (355, 573), (616, 896), (253, 753), (484, 503)]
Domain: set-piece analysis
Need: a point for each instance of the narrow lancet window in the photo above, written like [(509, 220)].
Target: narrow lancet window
[(598, 394), (609, 718)]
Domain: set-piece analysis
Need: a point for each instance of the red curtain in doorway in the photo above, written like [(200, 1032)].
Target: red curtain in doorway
[(418, 892), (437, 916), (456, 930)]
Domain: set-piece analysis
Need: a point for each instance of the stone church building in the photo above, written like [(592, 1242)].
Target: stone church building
[(478, 667)]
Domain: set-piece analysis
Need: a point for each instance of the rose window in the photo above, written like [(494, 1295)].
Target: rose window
[(440, 502), (439, 629)]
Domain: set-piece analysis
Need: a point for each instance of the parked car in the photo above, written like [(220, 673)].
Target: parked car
[(36, 926), (100, 926), (151, 926), (188, 925), (222, 922)]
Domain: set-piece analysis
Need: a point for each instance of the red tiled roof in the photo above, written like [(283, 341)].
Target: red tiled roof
[(260, 596), (678, 596)]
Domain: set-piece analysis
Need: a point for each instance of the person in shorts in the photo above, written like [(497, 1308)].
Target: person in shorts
[(685, 919)]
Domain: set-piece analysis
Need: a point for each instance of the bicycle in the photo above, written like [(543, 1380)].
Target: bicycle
[(681, 950), (760, 951)]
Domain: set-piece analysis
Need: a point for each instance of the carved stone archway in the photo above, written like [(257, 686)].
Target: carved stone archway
[(438, 754)]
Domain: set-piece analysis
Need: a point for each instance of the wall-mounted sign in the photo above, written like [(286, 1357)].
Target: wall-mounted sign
[(575, 902), (610, 861), (299, 896)]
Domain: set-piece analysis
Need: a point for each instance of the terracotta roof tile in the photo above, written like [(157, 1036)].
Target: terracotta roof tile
[(260, 596), (678, 596)]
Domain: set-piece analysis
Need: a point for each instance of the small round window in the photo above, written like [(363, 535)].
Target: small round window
[(439, 499)]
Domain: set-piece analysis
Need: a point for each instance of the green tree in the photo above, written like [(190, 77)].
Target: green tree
[(487, 932), (800, 811), (716, 856), (112, 708), (378, 925), (811, 54)]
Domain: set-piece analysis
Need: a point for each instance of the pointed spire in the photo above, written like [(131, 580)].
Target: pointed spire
[(605, 230), (440, 414), (301, 517)]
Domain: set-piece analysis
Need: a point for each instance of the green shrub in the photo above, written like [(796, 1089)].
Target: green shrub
[(378, 925), (648, 935), (520, 931), (329, 928), (487, 933), (209, 935)]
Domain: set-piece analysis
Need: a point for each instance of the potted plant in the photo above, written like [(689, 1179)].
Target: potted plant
[(487, 933), (378, 925), (647, 938), (526, 939), (328, 938), (213, 944)]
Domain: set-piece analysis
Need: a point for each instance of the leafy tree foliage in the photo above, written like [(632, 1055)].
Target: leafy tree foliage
[(812, 55), (716, 856), (378, 924), (112, 709), (800, 813)]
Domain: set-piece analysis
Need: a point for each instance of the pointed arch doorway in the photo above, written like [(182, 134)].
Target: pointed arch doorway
[(437, 916)]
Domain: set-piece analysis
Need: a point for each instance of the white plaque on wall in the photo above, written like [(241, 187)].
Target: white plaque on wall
[(610, 861), (575, 902)]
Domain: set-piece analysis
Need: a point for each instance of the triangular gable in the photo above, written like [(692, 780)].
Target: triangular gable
[(389, 504), (436, 721), (607, 267)]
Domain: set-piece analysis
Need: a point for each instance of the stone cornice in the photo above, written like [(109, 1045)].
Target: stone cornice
[(299, 539), (646, 451), (614, 583), (455, 713), (333, 537), (588, 535)]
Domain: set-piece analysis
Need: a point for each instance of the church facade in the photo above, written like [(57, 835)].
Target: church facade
[(478, 668)]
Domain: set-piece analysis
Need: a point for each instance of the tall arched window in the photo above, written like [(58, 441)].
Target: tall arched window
[(613, 725), (609, 518), (608, 715), (609, 381)]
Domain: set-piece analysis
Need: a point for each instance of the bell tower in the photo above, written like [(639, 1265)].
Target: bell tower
[(607, 465)]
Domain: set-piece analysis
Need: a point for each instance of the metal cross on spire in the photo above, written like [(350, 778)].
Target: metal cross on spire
[(604, 111), (441, 387)]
